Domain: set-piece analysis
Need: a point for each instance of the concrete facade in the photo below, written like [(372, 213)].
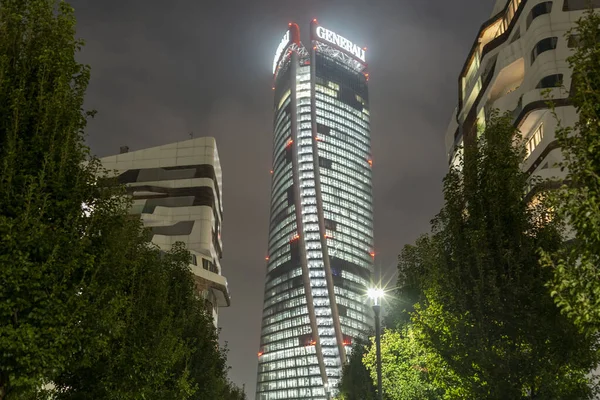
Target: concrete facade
[(520, 53), (177, 191)]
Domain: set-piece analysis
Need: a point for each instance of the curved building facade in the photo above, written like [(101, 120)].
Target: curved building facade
[(320, 258), (519, 53)]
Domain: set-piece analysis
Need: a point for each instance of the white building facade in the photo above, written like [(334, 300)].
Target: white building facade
[(519, 54), (177, 191)]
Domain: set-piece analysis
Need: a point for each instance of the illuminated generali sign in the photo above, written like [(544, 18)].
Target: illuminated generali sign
[(284, 43), (341, 42)]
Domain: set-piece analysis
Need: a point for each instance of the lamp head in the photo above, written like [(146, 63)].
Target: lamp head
[(375, 294)]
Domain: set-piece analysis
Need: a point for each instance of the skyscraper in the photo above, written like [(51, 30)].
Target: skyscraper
[(320, 251)]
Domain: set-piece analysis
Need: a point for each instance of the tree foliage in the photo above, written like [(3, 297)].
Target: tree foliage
[(576, 285), (167, 347), (405, 366), (487, 312), (46, 254), (356, 384), (413, 271), (86, 302), (499, 330)]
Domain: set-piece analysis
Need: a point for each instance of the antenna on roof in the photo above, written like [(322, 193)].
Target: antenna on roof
[(191, 134)]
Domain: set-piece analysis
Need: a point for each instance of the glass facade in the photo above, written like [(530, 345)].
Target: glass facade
[(320, 258)]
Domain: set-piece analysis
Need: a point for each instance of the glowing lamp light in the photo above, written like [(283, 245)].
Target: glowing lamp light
[(267, 258), (372, 254), (315, 20), (260, 353), (271, 172), (370, 162), (375, 294)]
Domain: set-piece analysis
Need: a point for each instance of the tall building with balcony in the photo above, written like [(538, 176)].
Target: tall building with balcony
[(518, 55), (320, 250), (177, 191)]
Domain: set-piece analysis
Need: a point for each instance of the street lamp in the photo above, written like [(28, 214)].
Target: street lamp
[(376, 294)]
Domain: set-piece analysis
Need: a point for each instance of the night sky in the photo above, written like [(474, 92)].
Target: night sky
[(161, 70)]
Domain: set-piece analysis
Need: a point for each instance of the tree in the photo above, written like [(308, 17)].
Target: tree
[(405, 365), (576, 283), (356, 384), (168, 346), (46, 259), (86, 302), (414, 263), (233, 392), (488, 313)]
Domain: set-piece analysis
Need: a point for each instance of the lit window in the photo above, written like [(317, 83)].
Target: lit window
[(534, 140)]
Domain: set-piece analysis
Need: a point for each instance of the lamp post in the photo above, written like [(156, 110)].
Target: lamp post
[(375, 294), (327, 392)]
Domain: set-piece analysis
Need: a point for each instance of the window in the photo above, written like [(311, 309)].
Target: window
[(209, 266), (575, 5), (550, 81), (324, 163), (331, 225), (534, 140), (537, 10), (543, 46)]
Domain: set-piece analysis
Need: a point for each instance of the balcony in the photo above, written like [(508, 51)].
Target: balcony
[(216, 283)]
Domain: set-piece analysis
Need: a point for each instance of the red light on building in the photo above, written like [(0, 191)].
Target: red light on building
[(372, 254), (260, 353), (271, 172), (370, 162), (315, 20), (289, 143), (267, 258), (318, 139), (296, 237)]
